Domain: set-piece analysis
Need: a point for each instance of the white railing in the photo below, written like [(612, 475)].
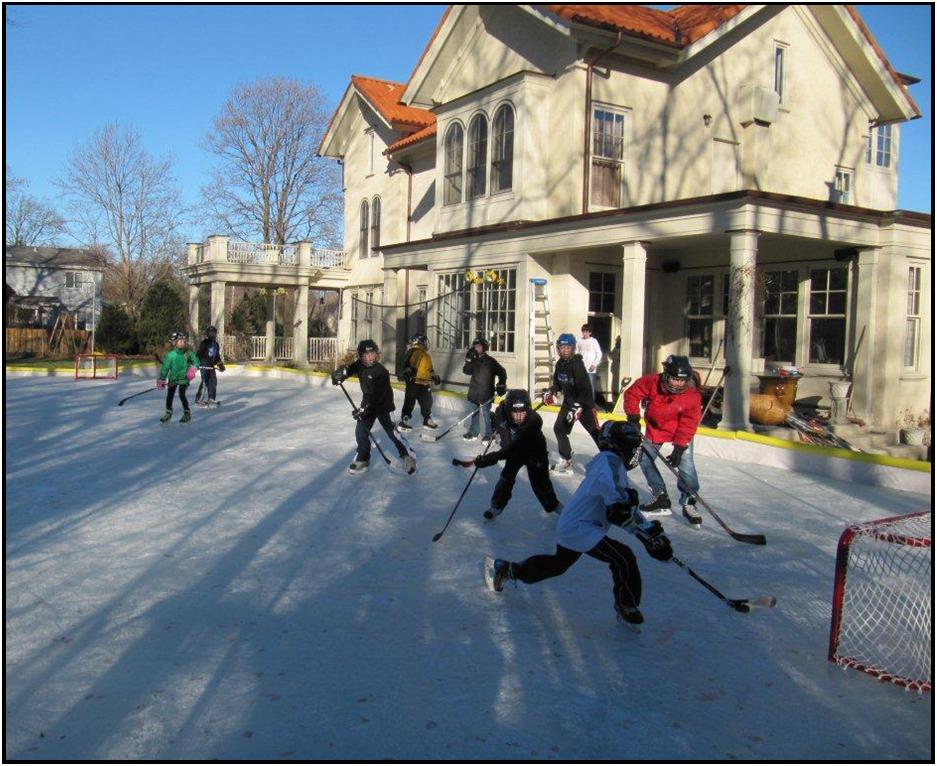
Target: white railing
[(261, 253), (323, 349), (258, 346), (282, 348), (326, 259)]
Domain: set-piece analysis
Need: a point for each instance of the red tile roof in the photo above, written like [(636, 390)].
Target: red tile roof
[(692, 21), (414, 138), (385, 96)]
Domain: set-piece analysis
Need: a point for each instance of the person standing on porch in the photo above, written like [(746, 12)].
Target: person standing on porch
[(571, 379), (673, 410), (591, 352)]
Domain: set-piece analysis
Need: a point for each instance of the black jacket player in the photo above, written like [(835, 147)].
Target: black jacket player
[(571, 379), (520, 431), (377, 402)]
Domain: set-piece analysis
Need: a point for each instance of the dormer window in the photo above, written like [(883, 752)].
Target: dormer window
[(477, 156), (878, 150), (452, 185), (502, 150)]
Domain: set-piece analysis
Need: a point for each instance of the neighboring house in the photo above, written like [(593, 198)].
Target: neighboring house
[(715, 180), (44, 281)]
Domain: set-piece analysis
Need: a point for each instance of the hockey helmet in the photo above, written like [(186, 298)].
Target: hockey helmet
[(211, 331), (367, 346), (480, 341), (517, 402), (623, 439), (677, 374), (419, 340), (177, 336), (566, 339)]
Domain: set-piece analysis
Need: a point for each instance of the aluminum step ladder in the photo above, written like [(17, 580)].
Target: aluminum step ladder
[(542, 351)]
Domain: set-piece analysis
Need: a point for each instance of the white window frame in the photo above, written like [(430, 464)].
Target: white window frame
[(480, 168), (364, 229), (625, 114), (371, 143), (780, 314), (507, 108), (490, 309), (353, 317), (844, 185), (888, 157), (808, 316), (450, 129), (375, 240), (713, 275), (781, 79), (914, 317), (74, 277)]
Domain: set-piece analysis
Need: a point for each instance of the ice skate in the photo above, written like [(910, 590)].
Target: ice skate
[(186, 417), (492, 512), (558, 510), (166, 416), (497, 572), (404, 424), (486, 440), (690, 514), (563, 466), (469, 436), (359, 466), (659, 506), (630, 617), (409, 464), (431, 424)]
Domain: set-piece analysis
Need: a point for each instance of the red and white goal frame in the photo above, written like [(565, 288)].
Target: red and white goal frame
[(96, 367), (882, 600)]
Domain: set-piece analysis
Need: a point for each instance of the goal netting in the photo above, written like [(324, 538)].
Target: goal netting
[(96, 366), (881, 622)]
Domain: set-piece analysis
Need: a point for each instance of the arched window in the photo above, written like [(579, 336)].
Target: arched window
[(502, 150), (453, 169), (375, 225), (477, 156), (363, 231)]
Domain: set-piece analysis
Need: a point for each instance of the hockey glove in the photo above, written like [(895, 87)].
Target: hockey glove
[(501, 389), (483, 461), (676, 456), (575, 412), (160, 384), (220, 366), (339, 375), (635, 420), (436, 380), (190, 374), (651, 533), (622, 513), (549, 398), (361, 413)]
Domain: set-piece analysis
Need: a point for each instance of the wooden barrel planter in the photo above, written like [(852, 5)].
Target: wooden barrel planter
[(767, 410)]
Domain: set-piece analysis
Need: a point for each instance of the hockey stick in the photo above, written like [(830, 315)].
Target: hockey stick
[(439, 534), (713, 365), (437, 437), (725, 371), (469, 463), (370, 435), (738, 604), (740, 536), (127, 398)]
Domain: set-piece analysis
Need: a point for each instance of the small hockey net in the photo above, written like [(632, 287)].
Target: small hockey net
[(881, 622), (96, 366)]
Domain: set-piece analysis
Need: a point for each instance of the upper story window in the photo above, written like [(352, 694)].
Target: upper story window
[(452, 185), (608, 154), (502, 149), (73, 279), (878, 150), (477, 156), (363, 231), (912, 341), (375, 225), (371, 148), (842, 186), (780, 53)]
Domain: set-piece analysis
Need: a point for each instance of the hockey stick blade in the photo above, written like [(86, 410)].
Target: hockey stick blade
[(752, 539), (462, 463), (747, 604)]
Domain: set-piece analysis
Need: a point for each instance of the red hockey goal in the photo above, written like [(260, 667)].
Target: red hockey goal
[(96, 366), (882, 594)]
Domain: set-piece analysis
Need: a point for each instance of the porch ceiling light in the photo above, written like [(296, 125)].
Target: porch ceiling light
[(707, 120)]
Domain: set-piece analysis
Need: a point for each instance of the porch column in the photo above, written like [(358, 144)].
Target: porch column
[(633, 278), (217, 307), (864, 372), (888, 327), (743, 256), (301, 325), (271, 322), (387, 340), (193, 308)]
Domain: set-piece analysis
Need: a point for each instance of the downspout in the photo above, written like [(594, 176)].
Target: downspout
[(408, 169), (590, 67)]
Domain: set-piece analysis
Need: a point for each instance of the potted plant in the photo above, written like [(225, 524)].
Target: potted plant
[(912, 427)]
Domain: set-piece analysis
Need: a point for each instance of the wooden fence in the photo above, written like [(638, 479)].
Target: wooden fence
[(36, 341)]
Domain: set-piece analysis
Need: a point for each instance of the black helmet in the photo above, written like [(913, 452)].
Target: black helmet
[(623, 439), (367, 345), (480, 341), (516, 400), (419, 340), (177, 335), (211, 330), (677, 374)]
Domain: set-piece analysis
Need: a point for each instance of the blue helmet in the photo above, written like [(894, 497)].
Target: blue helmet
[(566, 339)]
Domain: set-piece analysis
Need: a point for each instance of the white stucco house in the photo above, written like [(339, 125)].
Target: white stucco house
[(718, 181)]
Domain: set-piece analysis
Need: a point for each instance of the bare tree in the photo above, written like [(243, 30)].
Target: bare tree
[(269, 181), (127, 201), (27, 220)]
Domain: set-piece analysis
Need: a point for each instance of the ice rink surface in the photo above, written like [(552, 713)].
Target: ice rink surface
[(223, 589)]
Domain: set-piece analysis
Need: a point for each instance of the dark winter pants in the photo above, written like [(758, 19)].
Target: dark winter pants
[(210, 382), (171, 390), (538, 471), (625, 575), (562, 428), (363, 431), (414, 393)]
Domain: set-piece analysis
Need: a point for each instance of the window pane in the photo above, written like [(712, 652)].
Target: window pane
[(789, 303), (503, 150), (837, 279), (699, 335), (606, 184), (911, 343), (827, 340), (788, 280), (453, 177), (478, 156), (780, 339), (773, 303), (837, 303), (817, 303)]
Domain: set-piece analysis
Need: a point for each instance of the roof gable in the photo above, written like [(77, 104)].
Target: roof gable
[(53, 257)]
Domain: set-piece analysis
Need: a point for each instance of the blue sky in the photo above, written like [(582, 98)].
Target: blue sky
[(166, 70)]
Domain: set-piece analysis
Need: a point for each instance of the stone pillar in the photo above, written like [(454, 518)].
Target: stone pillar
[(740, 326), (193, 309), (301, 325), (217, 248), (303, 253), (192, 253), (217, 307), (271, 321), (388, 340), (634, 270)]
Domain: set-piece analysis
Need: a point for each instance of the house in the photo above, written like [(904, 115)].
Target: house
[(718, 181), (41, 282)]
